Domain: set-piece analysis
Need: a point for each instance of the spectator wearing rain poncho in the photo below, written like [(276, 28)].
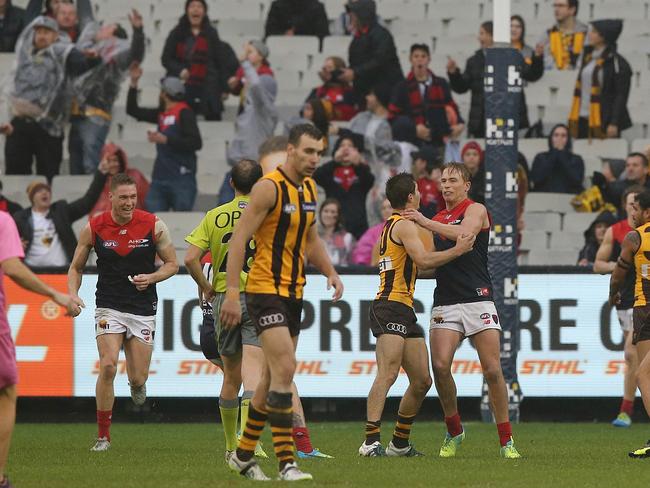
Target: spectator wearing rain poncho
[(96, 91), (38, 100)]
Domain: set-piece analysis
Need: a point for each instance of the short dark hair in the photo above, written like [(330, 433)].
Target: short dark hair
[(273, 145), (459, 168), (634, 189), (643, 157), (643, 199), (121, 179), (398, 189), (244, 175), (576, 4), (420, 47), (309, 130), (488, 27)]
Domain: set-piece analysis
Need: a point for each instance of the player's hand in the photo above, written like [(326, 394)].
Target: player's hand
[(465, 243), (141, 281), (230, 313), (335, 281), (615, 299), (208, 294), (415, 216), (72, 305), (76, 305)]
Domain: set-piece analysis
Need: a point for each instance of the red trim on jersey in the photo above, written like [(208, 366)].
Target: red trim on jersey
[(620, 230), (119, 236), (449, 216), (174, 112)]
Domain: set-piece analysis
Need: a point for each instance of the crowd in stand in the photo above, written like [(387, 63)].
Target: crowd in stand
[(379, 121)]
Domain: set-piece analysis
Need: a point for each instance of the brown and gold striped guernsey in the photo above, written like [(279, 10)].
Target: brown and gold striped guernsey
[(642, 268), (397, 270), (279, 266)]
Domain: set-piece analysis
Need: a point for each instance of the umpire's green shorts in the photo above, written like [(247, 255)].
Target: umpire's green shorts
[(229, 341)]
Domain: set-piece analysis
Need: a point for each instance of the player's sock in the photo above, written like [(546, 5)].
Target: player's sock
[(229, 413), (251, 433), (402, 430), (245, 404), (627, 406), (505, 432), (104, 423), (302, 440), (454, 427), (280, 418), (373, 431)]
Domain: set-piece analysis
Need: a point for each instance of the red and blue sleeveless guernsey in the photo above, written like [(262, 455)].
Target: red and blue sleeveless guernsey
[(123, 251), (619, 231), (465, 279)]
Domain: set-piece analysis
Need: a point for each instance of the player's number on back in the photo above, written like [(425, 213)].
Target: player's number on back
[(248, 258)]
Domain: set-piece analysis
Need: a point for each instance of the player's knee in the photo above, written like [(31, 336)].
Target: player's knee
[(107, 369), (441, 367), (630, 356), (492, 373), (139, 379), (422, 385)]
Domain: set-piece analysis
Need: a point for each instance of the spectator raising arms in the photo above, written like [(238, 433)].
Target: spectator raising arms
[(46, 227), (362, 254), (173, 183), (594, 236), (348, 179), (602, 88), (39, 100), (372, 55), (564, 41), (558, 170), (96, 90), (472, 79), (12, 22), (422, 106), (337, 92), (297, 18), (116, 161), (194, 53), (338, 242)]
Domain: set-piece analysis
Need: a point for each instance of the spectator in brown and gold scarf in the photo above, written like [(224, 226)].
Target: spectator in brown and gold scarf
[(602, 87), (564, 41)]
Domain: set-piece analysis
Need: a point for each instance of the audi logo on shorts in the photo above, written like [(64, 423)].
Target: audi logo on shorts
[(272, 319), (396, 327)]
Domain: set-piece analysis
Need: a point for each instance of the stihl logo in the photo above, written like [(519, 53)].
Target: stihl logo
[(43, 338)]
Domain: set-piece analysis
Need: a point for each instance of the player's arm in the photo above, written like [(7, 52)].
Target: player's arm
[(193, 258), (625, 261), (602, 264), (262, 199), (76, 269), (15, 269), (406, 232), (317, 255), (472, 222), (166, 251)]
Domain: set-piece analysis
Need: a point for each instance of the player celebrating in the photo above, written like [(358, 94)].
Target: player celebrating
[(126, 241), (463, 307), (281, 214), (400, 340), (605, 262), (635, 254), (11, 253)]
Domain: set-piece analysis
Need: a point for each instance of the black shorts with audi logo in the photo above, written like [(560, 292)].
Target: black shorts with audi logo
[(641, 324), (390, 317), (269, 311)]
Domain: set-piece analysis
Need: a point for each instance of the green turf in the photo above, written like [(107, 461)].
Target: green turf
[(191, 455)]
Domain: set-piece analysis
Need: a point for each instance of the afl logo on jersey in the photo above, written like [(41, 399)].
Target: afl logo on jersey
[(289, 208), (110, 244)]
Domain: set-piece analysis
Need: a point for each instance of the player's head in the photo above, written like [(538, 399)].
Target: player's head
[(244, 175), (642, 207), (273, 153), (628, 199), (123, 195), (304, 149), (402, 192), (455, 182)]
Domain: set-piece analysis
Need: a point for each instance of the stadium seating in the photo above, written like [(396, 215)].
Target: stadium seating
[(70, 187)]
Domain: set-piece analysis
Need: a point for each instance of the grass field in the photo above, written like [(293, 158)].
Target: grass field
[(191, 455)]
